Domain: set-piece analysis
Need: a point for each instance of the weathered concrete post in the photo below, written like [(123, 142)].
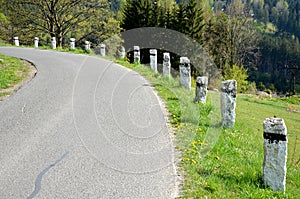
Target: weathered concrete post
[(228, 103), (53, 43), (136, 54), (201, 89), (275, 153), (167, 65), (16, 41), (102, 50), (185, 72), (153, 59), (122, 52), (72, 43), (36, 42), (87, 45)]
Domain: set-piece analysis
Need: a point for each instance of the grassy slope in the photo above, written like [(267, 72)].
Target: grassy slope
[(12, 71), (233, 169)]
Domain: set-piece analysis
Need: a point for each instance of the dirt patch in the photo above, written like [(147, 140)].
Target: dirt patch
[(30, 75)]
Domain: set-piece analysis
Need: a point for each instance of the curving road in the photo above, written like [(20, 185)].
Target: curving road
[(84, 127)]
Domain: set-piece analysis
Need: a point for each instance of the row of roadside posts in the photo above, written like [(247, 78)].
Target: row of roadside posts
[(53, 43), (275, 132)]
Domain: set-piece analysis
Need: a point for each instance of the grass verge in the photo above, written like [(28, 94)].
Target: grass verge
[(233, 168), (12, 72)]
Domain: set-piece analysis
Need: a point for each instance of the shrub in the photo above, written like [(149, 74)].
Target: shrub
[(240, 75)]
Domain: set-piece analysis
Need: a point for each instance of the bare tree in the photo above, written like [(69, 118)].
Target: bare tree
[(231, 37)]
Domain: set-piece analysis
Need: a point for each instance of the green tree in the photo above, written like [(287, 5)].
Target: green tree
[(240, 75), (136, 14), (58, 17), (194, 22)]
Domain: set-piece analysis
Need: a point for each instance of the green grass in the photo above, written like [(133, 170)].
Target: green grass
[(12, 71), (233, 168)]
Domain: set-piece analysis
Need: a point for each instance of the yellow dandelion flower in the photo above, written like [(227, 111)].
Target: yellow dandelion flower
[(194, 161)]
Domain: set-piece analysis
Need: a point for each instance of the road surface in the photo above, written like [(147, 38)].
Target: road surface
[(84, 127)]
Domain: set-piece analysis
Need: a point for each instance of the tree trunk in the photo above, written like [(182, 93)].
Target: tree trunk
[(59, 36)]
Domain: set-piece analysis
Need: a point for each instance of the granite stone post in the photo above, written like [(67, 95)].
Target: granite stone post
[(53, 43), (102, 50), (16, 41), (167, 65), (228, 103), (122, 52), (36, 42), (201, 89), (87, 45), (185, 72), (72, 43), (275, 153), (153, 59), (136, 54)]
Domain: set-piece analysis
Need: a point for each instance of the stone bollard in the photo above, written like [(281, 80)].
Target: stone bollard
[(275, 153), (185, 72), (87, 45), (201, 89), (228, 103), (53, 43), (16, 41), (153, 59), (136, 54), (72, 43), (36, 42), (102, 49), (167, 65), (122, 52)]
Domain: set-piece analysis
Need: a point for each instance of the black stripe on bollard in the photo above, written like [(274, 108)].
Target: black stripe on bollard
[(272, 137)]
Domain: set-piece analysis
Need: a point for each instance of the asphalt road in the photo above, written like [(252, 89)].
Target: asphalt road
[(84, 127)]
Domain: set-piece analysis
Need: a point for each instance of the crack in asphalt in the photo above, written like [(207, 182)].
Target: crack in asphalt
[(38, 181)]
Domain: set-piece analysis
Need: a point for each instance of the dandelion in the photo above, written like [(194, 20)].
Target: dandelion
[(186, 159), (200, 142), (194, 161), (194, 143)]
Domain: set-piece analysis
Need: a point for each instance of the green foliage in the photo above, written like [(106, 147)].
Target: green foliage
[(240, 75), (136, 14)]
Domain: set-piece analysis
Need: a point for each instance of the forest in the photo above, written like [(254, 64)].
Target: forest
[(253, 41)]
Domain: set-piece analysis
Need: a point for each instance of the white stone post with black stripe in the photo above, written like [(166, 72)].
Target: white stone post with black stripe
[(87, 46), (166, 65), (16, 41), (122, 52), (36, 42), (53, 43), (185, 72), (228, 103), (201, 89), (72, 43), (136, 54), (153, 59), (275, 153), (102, 50)]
